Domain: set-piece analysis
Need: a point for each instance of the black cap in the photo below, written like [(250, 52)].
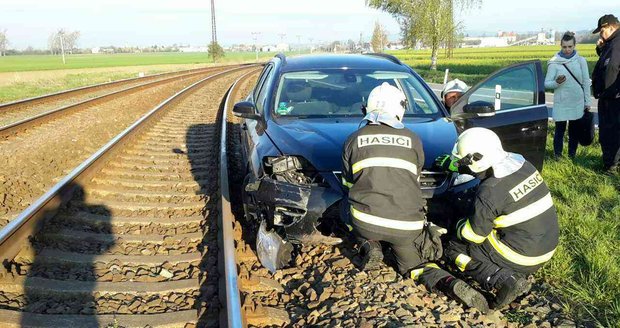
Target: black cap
[(604, 21)]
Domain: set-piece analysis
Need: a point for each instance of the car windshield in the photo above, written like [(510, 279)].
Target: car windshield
[(342, 92)]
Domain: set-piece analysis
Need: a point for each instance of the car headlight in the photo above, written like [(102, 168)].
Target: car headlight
[(462, 178), (292, 169)]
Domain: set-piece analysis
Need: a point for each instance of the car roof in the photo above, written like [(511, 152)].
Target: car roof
[(300, 63)]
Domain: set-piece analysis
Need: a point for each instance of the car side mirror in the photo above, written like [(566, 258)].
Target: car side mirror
[(246, 109), (480, 109)]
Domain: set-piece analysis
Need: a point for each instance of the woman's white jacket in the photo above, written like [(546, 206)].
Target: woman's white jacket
[(569, 98)]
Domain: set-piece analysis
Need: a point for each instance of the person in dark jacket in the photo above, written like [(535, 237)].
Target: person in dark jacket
[(606, 88), (381, 169), (512, 229)]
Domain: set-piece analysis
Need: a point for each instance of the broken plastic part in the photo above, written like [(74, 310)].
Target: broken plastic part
[(273, 252)]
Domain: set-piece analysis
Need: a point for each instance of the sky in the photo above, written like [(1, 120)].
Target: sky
[(165, 22)]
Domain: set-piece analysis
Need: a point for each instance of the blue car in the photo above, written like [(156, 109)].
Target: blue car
[(302, 110)]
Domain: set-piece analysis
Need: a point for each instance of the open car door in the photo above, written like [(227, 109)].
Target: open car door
[(520, 117)]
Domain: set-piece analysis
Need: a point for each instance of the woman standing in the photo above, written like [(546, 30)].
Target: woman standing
[(567, 74)]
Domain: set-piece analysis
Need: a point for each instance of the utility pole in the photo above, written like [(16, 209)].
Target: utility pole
[(213, 31), (62, 45), (299, 44), (311, 44), (254, 37)]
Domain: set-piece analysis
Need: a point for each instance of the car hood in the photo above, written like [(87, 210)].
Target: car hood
[(320, 141)]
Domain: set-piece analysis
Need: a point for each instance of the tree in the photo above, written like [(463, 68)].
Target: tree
[(430, 22), (215, 51), (379, 38), (69, 41), (4, 42)]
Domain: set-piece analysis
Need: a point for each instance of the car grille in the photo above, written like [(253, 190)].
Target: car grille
[(428, 179)]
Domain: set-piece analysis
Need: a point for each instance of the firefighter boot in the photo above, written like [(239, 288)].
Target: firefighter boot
[(372, 255), (510, 289), (468, 295)]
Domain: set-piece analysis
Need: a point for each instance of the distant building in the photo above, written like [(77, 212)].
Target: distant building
[(395, 45), (268, 48), (503, 39), (194, 49), (102, 50)]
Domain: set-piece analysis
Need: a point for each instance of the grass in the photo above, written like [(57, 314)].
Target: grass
[(473, 64), (21, 90), (585, 270), (52, 62)]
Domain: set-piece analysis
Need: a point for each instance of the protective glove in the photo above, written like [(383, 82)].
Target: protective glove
[(446, 163)]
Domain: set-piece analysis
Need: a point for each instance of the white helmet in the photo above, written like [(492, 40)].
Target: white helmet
[(455, 85), (386, 104), (483, 148)]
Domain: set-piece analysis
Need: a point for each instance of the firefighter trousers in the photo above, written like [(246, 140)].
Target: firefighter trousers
[(413, 251), (483, 264)]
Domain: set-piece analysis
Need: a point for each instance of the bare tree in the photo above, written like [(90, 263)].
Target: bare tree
[(63, 39), (4, 42), (379, 38)]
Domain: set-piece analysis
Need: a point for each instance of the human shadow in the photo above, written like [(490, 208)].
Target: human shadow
[(61, 273)]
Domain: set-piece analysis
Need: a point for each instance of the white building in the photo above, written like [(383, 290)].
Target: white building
[(194, 49)]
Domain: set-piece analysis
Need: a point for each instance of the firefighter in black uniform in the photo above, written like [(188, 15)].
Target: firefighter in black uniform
[(512, 229), (381, 166), (606, 88)]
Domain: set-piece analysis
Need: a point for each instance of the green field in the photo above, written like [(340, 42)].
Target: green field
[(585, 270), (473, 64), (49, 62)]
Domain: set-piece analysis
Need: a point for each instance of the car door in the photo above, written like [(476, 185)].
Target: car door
[(254, 129), (248, 126), (521, 117)]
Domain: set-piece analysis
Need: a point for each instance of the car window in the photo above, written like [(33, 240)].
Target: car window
[(264, 91), (518, 89), (341, 92), (261, 80), (422, 102)]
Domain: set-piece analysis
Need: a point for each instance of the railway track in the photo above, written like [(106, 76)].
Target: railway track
[(20, 115), (36, 156), (129, 237)]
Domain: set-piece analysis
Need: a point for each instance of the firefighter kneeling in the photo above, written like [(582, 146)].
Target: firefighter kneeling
[(512, 229), (381, 166)]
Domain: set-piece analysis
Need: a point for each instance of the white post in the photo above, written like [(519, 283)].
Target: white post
[(498, 97), (445, 77), (62, 48), (255, 37)]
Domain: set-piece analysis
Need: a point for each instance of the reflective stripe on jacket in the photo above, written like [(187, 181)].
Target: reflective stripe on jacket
[(381, 167), (515, 217)]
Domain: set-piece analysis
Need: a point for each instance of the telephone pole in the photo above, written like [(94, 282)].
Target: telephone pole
[(255, 37), (213, 30), (62, 45)]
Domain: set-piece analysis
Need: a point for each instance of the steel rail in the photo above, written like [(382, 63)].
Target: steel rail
[(6, 130), (13, 235), (233, 299), (99, 85)]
